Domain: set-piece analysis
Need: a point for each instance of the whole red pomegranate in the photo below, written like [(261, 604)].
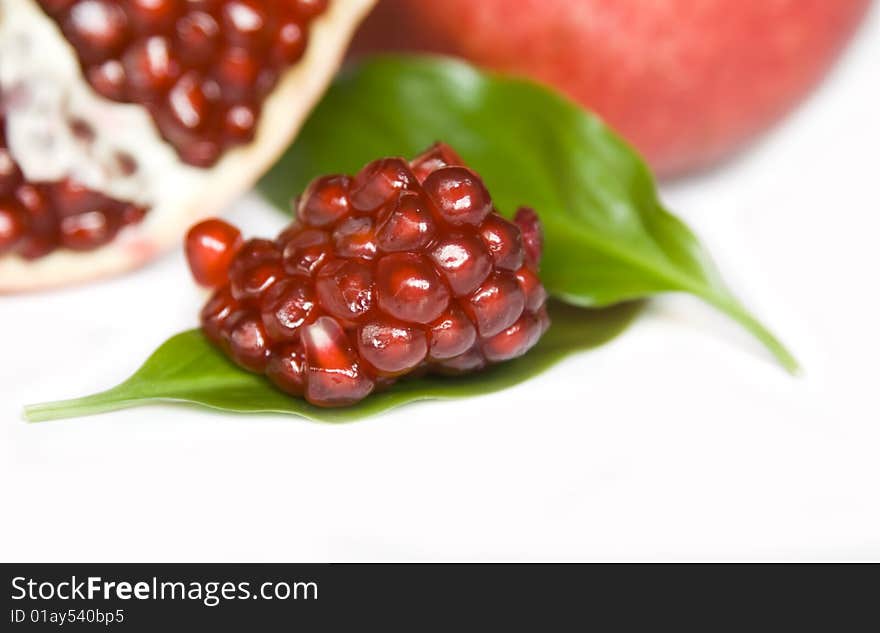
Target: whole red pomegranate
[(688, 82)]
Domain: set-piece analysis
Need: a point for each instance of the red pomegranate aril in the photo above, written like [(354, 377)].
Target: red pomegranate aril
[(240, 123), (530, 227), (459, 195), (236, 72), (391, 347), (13, 225), (187, 102), (470, 361), (310, 8), (89, 230), (345, 288), (108, 79), (513, 341), (306, 251), (378, 182), (197, 38), (248, 343), (325, 201), (408, 288), (10, 175), (374, 293), (496, 304), (354, 237), (286, 307), (216, 314), (452, 334), (97, 28), (335, 377), (408, 226), (152, 15), (287, 368), (437, 156), (464, 262), (290, 43), (504, 242), (71, 197), (150, 67), (210, 247), (251, 283), (245, 23), (534, 292)]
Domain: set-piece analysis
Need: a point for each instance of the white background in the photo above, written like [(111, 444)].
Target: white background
[(679, 440)]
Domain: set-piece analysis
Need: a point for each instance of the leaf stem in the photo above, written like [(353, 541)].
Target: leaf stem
[(742, 316), (75, 407)]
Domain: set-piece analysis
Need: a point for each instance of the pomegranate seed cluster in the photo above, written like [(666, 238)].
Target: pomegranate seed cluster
[(404, 268), (38, 217), (201, 67)]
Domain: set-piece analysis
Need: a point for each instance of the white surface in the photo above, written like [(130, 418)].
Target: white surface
[(678, 440)]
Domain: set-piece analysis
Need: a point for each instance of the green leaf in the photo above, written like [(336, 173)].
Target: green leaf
[(187, 368), (608, 237)]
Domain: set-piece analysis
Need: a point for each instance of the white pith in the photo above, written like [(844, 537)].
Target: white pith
[(33, 51)]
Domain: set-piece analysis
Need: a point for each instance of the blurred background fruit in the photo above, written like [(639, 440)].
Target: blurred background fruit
[(689, 82)]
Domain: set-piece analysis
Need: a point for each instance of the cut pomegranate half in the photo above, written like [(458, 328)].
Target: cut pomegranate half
[(122, 122)]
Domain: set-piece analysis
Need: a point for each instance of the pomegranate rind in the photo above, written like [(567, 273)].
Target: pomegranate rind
[(191, 193)]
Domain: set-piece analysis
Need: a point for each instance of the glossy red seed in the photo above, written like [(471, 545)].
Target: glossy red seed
[(240, 123), (459, 195), (10, 175), (254, 251), (452, 334), (210, 247), (437, 156), (504, 242), (310, 8), (408, 226), (197, 38), (391, 347), (286, 307), (236, 72), (188, 102), (250, 284), (70, 197), (246, 23), (496, 304), (216, 313), (248, 343), (97, 28), (42, 234), (470, 361), (108, 79), (408, 288), (530, 226), (287, 368), (89, 230), (378, 183), (531, 286), (464, 261), (354, 237), (150, 67), (148, 16), (306, 251), (290, 43), (335, 378), (13, 225), (345, 288), (324, 201), (513, 341)]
